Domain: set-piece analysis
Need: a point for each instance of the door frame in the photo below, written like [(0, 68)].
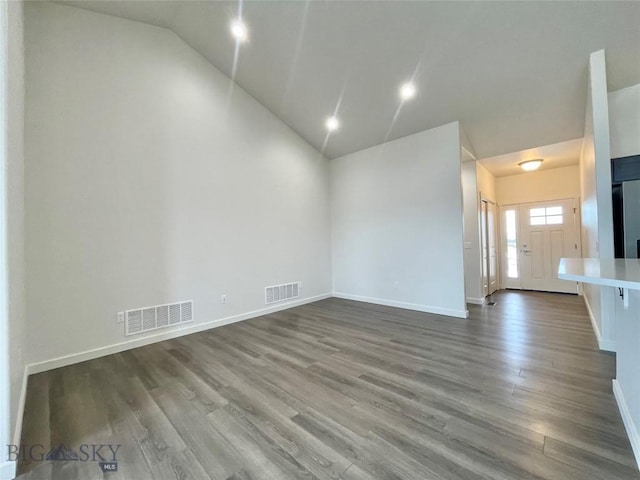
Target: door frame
[(484, 245), (502, 243)]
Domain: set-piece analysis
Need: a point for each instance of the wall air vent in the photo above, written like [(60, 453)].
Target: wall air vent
[(144, 319), (278, 293)]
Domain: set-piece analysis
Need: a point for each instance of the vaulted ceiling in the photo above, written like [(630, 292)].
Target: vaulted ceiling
[(514, 73)]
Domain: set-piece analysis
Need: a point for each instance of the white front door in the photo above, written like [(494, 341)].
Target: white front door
[(535, 237), (548, 233)]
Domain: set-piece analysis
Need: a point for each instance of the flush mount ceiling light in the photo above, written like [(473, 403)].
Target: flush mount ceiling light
[(407, 91), (239, 30), (531, 165), (332, 124)]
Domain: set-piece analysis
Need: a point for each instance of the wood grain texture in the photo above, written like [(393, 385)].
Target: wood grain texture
[(345, 390)]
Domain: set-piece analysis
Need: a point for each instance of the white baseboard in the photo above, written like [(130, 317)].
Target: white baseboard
[(179, 332), (607, 345), (158, 337), (409, 306), (475, 301), (632, 431), (71, 359), (7, 470)]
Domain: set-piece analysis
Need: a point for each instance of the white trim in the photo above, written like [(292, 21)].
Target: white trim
[(409, 306), (575, 199), (475, 301), (165, 335), (7, 470), (632, 431), (607, 345)]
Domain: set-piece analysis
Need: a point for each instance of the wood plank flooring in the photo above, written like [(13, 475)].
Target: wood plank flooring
[(346, 390)]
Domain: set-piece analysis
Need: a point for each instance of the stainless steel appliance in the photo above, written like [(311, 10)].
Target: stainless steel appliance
[(625, 174)]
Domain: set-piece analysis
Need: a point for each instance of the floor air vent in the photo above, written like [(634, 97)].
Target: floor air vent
[(278, 293), (151, 318)]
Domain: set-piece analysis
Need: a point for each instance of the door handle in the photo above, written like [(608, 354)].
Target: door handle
[(525, 251)]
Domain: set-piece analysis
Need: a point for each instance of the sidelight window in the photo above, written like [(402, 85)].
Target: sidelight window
[(512, 243)]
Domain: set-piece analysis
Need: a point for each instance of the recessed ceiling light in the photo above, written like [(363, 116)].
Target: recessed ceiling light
[(239, 30), (531, 165), (332, 124), (407, 91)]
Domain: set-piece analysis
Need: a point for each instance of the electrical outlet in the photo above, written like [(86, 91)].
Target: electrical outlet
[(223, 299), (396, 284), (120, 317)]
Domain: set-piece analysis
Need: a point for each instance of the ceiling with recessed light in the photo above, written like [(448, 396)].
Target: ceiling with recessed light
[(514, 73)]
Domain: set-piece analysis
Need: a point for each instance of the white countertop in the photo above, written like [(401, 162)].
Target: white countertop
[(622, 273)]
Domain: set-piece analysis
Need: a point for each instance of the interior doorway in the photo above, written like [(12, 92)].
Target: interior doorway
[(489, 236), (534, 238)]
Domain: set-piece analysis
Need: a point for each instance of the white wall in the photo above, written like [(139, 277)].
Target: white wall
[(624, 121), (471, 220), (7, 469), (143, 188), (13, 335), (596, 208), (601, 141), (467, 151), (486, 183), (626, 385), (589, 216), (15, 174), (537, 186), (396, 212), (472, 244)]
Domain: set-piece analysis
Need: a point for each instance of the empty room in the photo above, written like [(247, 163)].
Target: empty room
[(347, 240)]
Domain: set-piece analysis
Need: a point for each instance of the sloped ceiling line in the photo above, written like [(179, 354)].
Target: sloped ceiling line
[(513, 73)]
